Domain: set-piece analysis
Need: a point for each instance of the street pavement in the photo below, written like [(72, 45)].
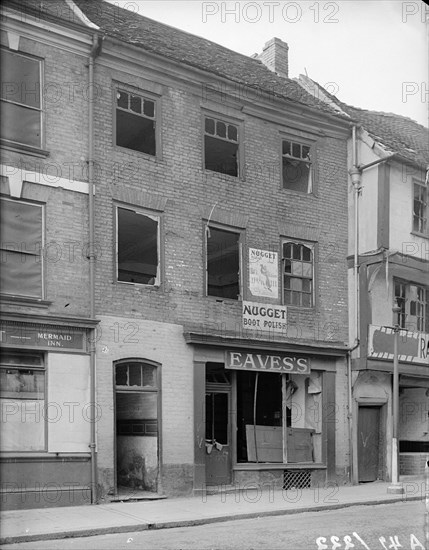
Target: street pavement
[(123, 517)]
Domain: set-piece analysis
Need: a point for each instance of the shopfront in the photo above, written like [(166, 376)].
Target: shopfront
[(264, 413), (45, 412)]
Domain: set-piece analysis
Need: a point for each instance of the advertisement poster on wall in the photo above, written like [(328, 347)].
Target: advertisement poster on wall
[(263, 273)]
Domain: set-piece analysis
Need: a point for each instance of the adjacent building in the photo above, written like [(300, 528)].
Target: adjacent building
[(388, 266), (206, 323)]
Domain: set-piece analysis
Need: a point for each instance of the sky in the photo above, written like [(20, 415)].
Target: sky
[(371, 54)]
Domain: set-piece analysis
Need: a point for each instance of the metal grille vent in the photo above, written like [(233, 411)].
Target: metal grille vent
[(296, 479)]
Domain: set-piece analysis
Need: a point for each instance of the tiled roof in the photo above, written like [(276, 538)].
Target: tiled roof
[(396, 133), (177, 45)]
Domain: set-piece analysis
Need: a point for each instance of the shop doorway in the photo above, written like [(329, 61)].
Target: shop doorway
[(137, 428), (218, 425), (368, 443)]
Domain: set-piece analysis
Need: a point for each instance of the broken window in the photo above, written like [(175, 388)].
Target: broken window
[(296, 166), (420, 210), (298, 274), (21, 106), (135, 122), (221, 146), (223, 263), (21, 230), (138, 247)]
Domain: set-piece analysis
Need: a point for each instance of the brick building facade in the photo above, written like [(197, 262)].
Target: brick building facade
[(220, 288)]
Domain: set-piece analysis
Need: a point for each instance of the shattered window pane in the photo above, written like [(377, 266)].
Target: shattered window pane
[(298, 278), (296, 167), (221, 147), (135, 123)]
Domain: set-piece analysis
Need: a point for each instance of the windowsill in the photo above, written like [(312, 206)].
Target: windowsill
[(139, 285), (45, 455), (224, 300), (299, 193), (279, 466), (225, 177), (21, 148), (145, 156), (421, 235), (25, 301)]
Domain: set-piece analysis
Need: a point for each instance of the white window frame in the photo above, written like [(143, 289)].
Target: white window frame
[(312, 247), (311, 162), (228, 121), (417, 323), (424, 219)]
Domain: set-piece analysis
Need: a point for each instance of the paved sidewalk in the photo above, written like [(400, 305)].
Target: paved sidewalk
[(119, 517)]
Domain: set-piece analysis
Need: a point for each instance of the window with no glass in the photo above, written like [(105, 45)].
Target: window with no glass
[(221, 146), (135, 122), (298, 263), (138, 247), (223, 263), (296, 166), (21, 230), (21, 105), (420, 208)]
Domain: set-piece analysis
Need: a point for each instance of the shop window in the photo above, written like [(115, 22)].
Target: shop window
[(21, 230), (221, 146), (413, 300), (135, 122), (223, 263), (21, 105), (138, 247), (22, 397), (267, 431), (298, 274), (420, 208), (296, 166)]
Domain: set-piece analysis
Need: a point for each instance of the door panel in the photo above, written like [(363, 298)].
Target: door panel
[(368, 443), (218, 446)]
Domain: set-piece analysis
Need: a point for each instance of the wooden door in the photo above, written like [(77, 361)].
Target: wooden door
[(368, 443), (218, 438)]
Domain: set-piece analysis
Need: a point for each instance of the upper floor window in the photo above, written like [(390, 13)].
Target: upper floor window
[(413, 300), (223, 263), (135, 122), (21, 230), (296, 166), (21, 104), (221, 141), (138, 247), (420, 209), (298, 274)]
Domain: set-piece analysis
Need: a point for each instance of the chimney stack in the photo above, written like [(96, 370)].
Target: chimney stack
[(275, 56)]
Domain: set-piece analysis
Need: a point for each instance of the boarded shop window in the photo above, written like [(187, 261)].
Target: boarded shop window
[(298, 274), (221, 146), (413, 300), (22, 397), (21, 106), (135, 122), (138, 247), (279, 417), (223, 263), (420, 209), (296, 166), (21, 230)]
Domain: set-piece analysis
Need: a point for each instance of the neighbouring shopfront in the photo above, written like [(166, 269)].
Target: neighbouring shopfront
[(264, 413), (45, 412)]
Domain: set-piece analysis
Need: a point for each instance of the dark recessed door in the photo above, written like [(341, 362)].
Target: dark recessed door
[(368, 443)]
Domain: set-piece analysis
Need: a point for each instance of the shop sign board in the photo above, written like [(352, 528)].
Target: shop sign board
[(42, 337), (267, 362), (263, 273), (413, 347), (265, 317)]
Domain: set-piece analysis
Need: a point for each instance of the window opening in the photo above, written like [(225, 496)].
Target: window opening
[(221, 146), (414, 303), (135, 122), (223, 263), (298, 274), (420, 211), (138, 247), (296, 166)]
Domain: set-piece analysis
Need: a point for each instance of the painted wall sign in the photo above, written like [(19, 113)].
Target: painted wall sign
[(266, 317), (264, 362), (263, 273), (413, 347), (44, 337)]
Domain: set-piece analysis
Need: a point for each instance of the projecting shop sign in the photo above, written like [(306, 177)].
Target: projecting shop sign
[(263, 273), (413, 347), (267, 362), (266, 317)]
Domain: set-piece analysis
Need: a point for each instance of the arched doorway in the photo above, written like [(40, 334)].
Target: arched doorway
[(137, 414)]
